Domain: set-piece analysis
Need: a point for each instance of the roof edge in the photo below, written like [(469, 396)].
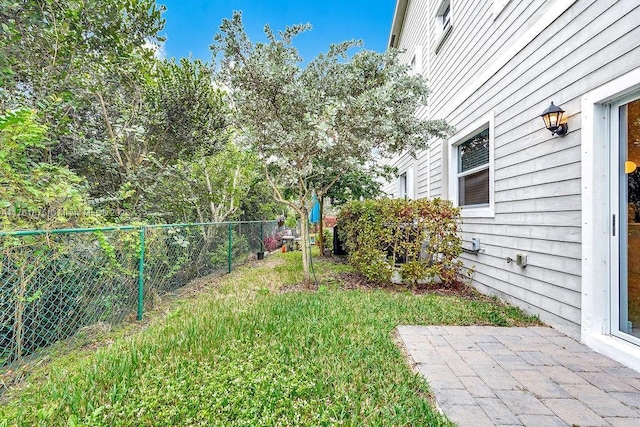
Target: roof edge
[(398, 22)]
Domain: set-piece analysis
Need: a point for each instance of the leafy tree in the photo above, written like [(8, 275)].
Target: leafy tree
[(34, 193), (67, 54), (357, 185), (258, 204), (114, 113), (335, 116), (49, 44), (83, 64), (189, 111), (209, 189), (183, 125)]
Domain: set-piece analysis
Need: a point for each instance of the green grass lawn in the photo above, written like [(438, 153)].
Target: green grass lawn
[(246, 353)]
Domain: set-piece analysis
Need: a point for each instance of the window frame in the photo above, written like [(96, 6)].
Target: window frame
[(471, 211), (403, 186), (415, 65), (443, 23), (407, 177), (446, 16)]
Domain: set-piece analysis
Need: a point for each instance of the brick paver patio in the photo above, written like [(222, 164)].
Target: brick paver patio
[(488, 376)]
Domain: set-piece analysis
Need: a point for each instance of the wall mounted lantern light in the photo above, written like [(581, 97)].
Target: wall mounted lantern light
[(552, 117)]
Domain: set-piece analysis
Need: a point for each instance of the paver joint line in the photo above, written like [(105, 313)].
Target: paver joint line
[(484, 375)]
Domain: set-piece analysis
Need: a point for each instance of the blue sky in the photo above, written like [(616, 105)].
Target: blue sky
[(191, 24)]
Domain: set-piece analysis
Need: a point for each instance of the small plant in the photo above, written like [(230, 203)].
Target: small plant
[(271, 243), (327, 238)]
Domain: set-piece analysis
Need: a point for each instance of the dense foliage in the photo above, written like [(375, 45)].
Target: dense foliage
[(355, 185), (141, 138), (114, 126), (34, 192), (420, 236)]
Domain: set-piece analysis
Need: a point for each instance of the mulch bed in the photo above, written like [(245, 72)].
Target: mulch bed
[(353, 281), (357, 281)]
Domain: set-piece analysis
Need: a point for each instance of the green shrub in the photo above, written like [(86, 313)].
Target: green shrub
[(419, 236)]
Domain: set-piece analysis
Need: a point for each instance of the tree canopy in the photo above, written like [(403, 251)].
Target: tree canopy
[(120, 127), (311, 125)]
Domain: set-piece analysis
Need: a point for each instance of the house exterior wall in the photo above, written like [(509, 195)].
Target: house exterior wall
[(508, 60)]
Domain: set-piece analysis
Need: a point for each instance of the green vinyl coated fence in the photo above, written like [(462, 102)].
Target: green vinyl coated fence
[(55, 283)]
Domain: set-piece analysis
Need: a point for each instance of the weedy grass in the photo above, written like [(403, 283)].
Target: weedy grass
[(245, 353)]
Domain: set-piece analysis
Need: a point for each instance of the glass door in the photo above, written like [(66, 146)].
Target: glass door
[(625, 127)]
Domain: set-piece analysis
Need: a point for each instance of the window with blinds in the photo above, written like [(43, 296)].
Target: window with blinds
[(473, 170)]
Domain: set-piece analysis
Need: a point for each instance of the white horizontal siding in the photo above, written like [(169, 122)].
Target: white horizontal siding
[(537, 176), (561, 316), (514, 231), (422, 174), (548, 189)]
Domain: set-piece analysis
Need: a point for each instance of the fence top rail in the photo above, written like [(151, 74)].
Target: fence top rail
[(122, 228)]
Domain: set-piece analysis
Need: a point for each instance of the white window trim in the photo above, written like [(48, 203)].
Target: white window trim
[(416, 62), (409, 176), (595, 305), (454, 142), (442, 32), (411, 180), (403, 192)]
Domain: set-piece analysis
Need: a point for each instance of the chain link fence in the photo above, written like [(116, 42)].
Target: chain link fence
[(55, 283)]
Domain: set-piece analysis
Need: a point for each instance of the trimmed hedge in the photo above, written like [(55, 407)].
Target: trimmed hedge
[(419, 237)]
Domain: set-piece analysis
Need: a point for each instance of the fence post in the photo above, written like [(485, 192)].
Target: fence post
[(262, 235), (229, 249), (141, 275)]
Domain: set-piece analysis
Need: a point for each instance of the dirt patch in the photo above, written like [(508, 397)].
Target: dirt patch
[(300, 287)]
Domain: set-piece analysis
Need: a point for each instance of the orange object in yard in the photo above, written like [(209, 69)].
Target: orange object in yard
[(284, 248)]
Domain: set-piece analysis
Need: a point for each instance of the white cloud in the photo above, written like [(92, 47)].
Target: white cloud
[(157, 49)]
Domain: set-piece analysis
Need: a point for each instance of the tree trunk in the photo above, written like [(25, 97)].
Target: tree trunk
[(303, 211), (306, 254), (320, 235), (18, 323)]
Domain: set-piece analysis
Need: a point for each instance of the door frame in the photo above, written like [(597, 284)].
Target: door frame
[(596, 298), (619, 237)]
